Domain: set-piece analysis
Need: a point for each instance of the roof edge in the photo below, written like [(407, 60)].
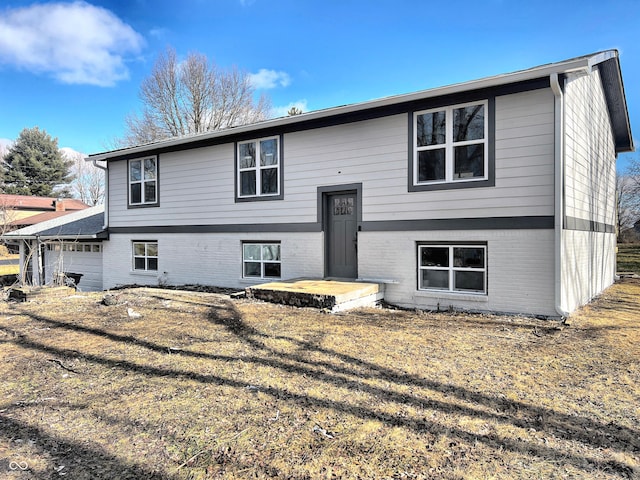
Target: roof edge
[(33, 230), (564, 66)]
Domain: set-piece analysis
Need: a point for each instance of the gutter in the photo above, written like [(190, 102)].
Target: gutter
[(17, 238), (106, 191), (558, 161)]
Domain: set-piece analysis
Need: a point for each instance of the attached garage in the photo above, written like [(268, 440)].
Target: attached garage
[(80, 262), (62, 250)]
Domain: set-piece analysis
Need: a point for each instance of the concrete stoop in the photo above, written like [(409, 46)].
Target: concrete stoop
[(333, 295)]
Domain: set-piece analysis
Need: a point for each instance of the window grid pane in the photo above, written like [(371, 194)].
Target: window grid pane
[(431, 165), (431, 129), (145, 256), (136, 193), (135, 174), (143, 175), (247, 155), (258, 178), (261, 260), (150, 169), (469, 161), (468, 123), (268, 152), (450, 144), (452, 268), (269, 180)]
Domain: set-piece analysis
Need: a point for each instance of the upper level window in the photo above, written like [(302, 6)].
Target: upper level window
[(450, 144), (143, 181), (259, 168)]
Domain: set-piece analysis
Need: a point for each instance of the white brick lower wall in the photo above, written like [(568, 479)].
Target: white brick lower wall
[(520, 265), (588, 267), (519, 269), (209, 258)]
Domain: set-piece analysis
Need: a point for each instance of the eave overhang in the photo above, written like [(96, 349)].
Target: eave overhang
[(606, 61)]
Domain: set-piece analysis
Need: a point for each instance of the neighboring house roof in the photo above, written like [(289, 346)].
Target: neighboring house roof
[(607, 62), (27, 202), (37, 218), (87, 224)]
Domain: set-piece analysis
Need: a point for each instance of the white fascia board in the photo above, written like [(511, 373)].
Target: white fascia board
[(566, 66), (68, 237)]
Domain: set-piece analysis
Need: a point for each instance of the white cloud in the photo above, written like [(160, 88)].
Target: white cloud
[(71, 154), (282, 111), (266, 79), (76, 43), (5, 145), (159, 32)]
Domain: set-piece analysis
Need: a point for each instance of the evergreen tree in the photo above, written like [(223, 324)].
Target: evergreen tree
[(35, 166)]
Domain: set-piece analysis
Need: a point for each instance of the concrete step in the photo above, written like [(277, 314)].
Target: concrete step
[(333, 295)]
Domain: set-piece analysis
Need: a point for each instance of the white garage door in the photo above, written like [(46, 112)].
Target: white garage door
[(81, 258)]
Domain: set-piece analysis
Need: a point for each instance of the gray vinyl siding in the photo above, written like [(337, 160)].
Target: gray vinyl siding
[(590, 165), (588, 257), (197, 186)]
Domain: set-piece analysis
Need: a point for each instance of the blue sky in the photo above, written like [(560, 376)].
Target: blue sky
[(74, 68)]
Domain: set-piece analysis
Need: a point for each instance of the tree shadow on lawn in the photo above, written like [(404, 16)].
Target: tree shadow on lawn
[(348, 375), (80, 461)]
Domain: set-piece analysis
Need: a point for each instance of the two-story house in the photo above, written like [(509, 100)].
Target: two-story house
[(496, 194)]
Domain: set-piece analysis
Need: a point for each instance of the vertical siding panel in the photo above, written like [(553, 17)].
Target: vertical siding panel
[(588, 258)]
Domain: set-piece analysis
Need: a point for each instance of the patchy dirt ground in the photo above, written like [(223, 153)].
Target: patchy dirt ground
[(190, 385)]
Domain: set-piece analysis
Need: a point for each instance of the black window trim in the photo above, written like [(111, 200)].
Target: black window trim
[(455, 243), (143, 205), (491, 149), (259, 198)]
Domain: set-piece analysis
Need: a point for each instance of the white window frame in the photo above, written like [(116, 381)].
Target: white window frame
[(262, 261), (257, 168), (452, 269), (143, 201), (146, 255), (449, 145), (75, 247)]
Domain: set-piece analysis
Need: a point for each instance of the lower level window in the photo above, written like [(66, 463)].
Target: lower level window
[(261, 260), (452, 268), (145, 256)]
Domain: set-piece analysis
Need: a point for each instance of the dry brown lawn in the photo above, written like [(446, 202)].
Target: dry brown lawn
[(202, 387)]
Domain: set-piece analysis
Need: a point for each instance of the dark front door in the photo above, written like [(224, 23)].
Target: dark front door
[(341, 235)]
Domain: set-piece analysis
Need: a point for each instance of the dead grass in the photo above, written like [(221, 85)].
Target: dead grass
[(201, 386), (628, 258)]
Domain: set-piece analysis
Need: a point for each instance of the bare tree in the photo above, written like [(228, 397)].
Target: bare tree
[(89, 183), (626, 210), (192, 96)]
